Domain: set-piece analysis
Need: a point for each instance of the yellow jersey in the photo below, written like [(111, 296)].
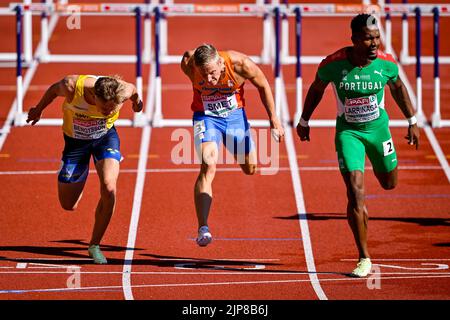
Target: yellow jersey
[(82, 120)]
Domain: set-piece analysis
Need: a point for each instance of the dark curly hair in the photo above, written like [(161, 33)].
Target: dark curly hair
[(362, 20)]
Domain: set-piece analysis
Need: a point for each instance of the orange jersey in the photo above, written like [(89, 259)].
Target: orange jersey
[(221, 99)]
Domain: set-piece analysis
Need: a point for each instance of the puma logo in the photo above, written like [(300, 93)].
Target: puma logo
[(378, 72)]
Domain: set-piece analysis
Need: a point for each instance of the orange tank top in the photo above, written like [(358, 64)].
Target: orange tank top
[(221, 99)]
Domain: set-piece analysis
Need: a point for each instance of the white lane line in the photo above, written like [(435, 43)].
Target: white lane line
[(213, 272), (437, 149), (406, 259), (195, 170), (299, 199), (168, 285), (135, 213), (138, 194)]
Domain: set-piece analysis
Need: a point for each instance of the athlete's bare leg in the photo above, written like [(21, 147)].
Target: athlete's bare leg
[(356, 210), (203, 185), (70, 194), (108, 173), (388, 180), (250, 163)]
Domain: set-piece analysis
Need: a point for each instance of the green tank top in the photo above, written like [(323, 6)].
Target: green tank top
[(359, 91)]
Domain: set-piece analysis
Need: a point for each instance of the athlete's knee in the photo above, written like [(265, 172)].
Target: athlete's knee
[(389, 185), (69, 201), (108, 189), (208, 171), (68, 206), (210, 154), (355, 195), (249, 169), (388, 181)]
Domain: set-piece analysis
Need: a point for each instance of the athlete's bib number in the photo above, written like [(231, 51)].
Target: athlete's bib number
[(89, 129), (361, 109), (219, 105)]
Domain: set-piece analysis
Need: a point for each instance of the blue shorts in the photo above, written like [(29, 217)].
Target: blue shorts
[(77, 154), (233, 131)]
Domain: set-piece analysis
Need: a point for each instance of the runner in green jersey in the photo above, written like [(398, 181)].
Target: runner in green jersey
[(358, 75)]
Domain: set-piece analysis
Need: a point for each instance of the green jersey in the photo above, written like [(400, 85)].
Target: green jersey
[(359, 91)]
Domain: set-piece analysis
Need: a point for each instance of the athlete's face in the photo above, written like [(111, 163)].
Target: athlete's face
[(367, 42), (212, 71)]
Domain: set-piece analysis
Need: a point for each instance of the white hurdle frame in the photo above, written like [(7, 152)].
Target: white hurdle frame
[(319, 10), (426, 10), (404, 10), (267, 54), (117, 9), (245, 10), (49, 8), (397, 9), (27, 37)]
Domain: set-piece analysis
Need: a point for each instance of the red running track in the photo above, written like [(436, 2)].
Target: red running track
[(259, 246)]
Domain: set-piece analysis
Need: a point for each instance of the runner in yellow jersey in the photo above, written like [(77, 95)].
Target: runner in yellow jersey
[(91, 106)]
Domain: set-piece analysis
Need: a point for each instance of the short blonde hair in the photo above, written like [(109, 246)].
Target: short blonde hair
[(204, 54), (110, 89)]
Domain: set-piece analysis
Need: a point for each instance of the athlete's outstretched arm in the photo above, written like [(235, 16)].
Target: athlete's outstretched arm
[(313, 97), (248, 69), (62, 88), (401, 97)]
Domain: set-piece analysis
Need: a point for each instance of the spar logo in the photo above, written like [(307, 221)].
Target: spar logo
[(358, 102)]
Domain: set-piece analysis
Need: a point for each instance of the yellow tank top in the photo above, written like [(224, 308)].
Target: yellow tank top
[(82, 120)]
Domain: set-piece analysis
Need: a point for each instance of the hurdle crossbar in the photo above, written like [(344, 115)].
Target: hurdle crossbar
[(281, 53), (399, 9), (406, 10), (27, 46), (87, 9), (435, 11), (45, 9), (231, 10)]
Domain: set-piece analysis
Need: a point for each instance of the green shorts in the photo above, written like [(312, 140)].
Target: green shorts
[(354, 141)]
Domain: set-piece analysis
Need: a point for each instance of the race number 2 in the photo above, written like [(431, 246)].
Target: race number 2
[(388, 147)]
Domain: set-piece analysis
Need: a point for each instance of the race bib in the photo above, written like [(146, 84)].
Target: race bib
[(219, 105), (89, 129), (388, 147), (362, 109)]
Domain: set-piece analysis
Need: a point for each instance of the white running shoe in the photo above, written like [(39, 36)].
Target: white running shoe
[(362, 268), (96, 254), (204, 236)]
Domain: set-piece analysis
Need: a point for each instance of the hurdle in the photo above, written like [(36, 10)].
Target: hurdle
[(135, 10), (275, 42), (27, 46), (419, 11), (219, 10), (315, 10), (405, 10), (389, 10), (85, 9)]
